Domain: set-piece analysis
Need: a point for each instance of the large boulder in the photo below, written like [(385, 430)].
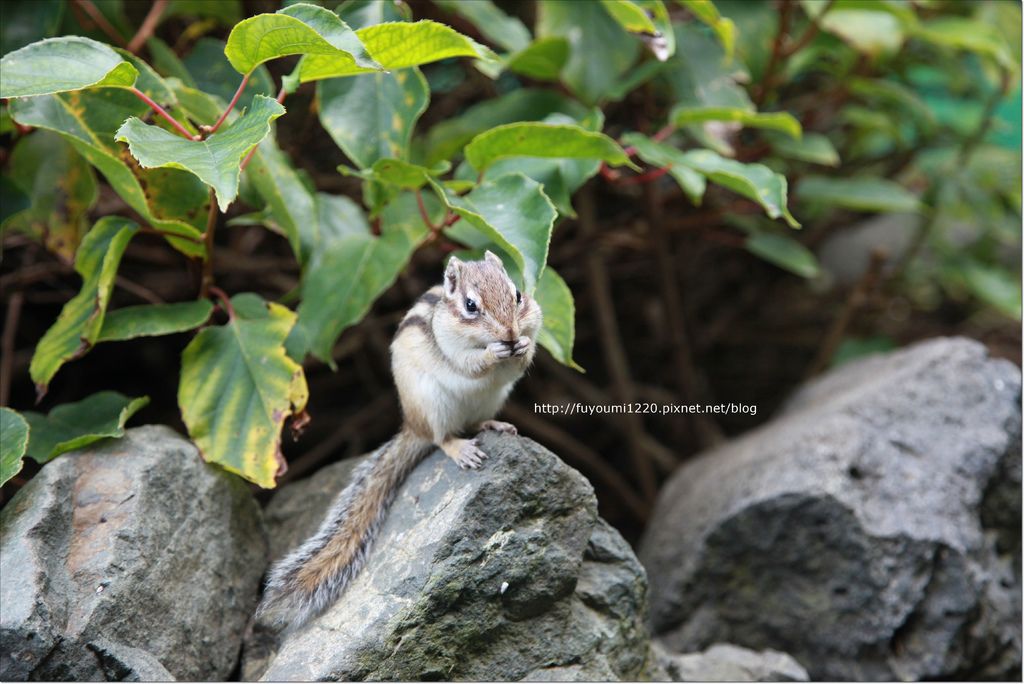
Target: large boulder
[(130, 559), (872, 530), (502, 573)]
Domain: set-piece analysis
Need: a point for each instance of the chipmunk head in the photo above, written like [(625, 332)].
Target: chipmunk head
[(484, 302)]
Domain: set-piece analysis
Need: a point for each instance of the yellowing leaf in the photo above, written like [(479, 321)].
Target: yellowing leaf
[(238, 387), (81, 319)]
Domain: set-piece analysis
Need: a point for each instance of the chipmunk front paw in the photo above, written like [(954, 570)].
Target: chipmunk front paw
[(522, 346), (499, 350)]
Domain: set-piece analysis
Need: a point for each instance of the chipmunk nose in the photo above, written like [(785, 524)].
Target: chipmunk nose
[(511, 336)]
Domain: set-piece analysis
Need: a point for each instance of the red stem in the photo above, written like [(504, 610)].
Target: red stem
[(162, 112), (646, 177), (245, 162), (231, 105), (225, 300), (423, 213), (148, 26)]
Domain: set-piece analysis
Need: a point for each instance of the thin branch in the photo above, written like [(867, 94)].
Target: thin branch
[(768, 77), (100, 21), (231, 105), (690, 383), (211, 226), (858, 297), (7, 345), (139, 291), (148, 26), (809, 33), (162, 112), (425, 216)]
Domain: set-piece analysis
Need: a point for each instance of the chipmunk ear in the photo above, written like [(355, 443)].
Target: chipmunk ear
[(493, 258), (451, 276)]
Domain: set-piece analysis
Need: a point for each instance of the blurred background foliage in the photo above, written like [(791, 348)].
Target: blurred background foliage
[(889, 131)]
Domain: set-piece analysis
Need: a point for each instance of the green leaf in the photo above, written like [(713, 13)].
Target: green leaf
[(959, 33), (852, 348), (558, 332), (543, 59), (22, 23), (62, 189), (601, 51), (662, 155), (527, 104), (166, 62), (995, 286), (629, 16), (228, 12), (514, 213), (754, 181), (860, 193), (724, 28), (151, 320), (14, 443), (812, 147), (702, 75), (533, 139), (212, 73), (238, 387), (372, 116), (56, 65), (13, 200), (785, 252), (400, 173), (88, 120), (216, 160), (300, 29), (353, 271), (80, 321), (776, 121), (872, 29), (73, 426), (291, 206), (496, 26), (402, 44), (362, 13)]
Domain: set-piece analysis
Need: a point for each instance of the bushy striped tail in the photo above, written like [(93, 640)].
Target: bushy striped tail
[(309, 579)]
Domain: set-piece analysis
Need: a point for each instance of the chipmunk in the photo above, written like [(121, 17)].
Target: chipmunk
[(455, 357)]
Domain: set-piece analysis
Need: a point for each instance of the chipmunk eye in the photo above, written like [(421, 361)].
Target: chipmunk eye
[(519, 297), (470, 305)]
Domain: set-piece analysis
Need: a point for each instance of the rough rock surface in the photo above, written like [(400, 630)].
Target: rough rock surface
[(497, 574), (872, 530), (131, 559), (727, 663)]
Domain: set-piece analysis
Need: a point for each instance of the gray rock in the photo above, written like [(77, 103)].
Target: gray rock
[(430, 602), (728, 663), (130, 559), (859, 530)]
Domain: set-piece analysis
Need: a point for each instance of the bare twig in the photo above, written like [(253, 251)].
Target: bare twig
[(7, 345), (229, 309), (858, 297), (139, 291), (148, 26), (688, 380), (611, 341), (101, 21)]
